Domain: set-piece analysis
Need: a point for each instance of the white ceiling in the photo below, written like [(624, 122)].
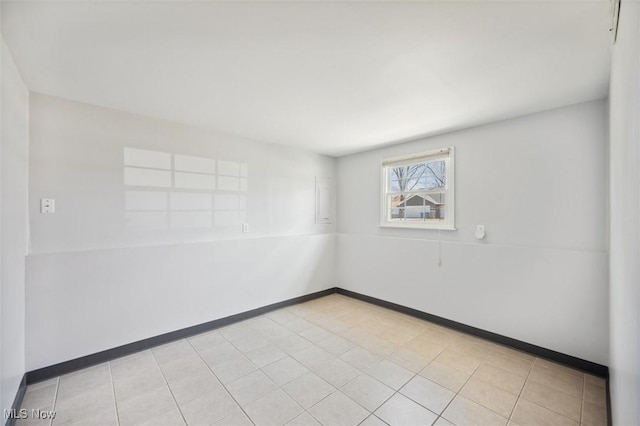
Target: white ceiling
[(332, 77)]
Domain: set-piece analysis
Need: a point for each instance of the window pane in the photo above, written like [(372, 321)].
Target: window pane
[(396, 207), (435, 174), (405, 178), (423, 207)]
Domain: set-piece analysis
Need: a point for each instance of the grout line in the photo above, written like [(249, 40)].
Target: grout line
[(55, 398), (526, 380), (167, 383), (220, 381), (113, 392)]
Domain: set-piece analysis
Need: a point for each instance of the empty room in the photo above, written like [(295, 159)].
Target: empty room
[(320, 212)]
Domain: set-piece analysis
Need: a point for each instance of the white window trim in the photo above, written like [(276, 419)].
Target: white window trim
[(449, 222)]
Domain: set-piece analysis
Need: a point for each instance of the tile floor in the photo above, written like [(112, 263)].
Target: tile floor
[(331, 361)]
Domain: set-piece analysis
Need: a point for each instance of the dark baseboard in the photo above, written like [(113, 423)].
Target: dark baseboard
[(110, 354), (568, 360), (130, 348), (17, 401)]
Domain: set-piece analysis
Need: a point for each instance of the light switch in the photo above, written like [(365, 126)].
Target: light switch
[(47, 205), (480, 232)]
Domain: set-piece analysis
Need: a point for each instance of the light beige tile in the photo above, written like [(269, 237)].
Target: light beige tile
[(191, 387), (593, 414), (282, 316), (304, 419), (466, 364), (251, 387), (308, 389), (555, 400), (40, 397), (490, 396), (138, 363), (426, 348), (595, 393), (443, 422), (409, 359), (400, 410), (108, 417), (172, 351), (83, 381), (206, 340), (209, 408), (559, 367), (265, 355), (337, 372), (336, 345), (313, 357), (298, 325), (316, 334), (463, 411), (513, 352), (372, 420), (44, 383), (84, 404), (237, 418), (183, 368), (360, 358), (219, 353), (145, 407), (31, 419), (528, 413), (237, 332), (276, 408), (444, 375), (500, 378), (513, 364), (469, 346), (367, 392), (558, 380), (285, 370), (250, 343), (438, 335), (390, 374), (379, 346), (170, 418), (131, 387), (293, 344), (428, 394), (599, 381), (232, 368), (338, 409), (275, 333)]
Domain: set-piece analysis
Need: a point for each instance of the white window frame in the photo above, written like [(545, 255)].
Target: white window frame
[(448, 153)]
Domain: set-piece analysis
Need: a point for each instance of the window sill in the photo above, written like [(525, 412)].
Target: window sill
[(418, 226)]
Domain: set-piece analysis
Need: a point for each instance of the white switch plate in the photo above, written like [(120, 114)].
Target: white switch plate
[(47, 206), (480, 232), (245, 227)]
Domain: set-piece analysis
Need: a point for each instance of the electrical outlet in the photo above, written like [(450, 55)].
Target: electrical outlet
[(47, 206), (245, 228)]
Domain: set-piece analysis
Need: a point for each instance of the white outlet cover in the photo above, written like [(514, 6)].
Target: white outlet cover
[(47, 205)]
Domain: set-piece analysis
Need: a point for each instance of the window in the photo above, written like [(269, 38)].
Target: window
[(417, 190)]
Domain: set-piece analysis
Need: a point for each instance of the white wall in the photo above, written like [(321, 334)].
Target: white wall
[(539, 185), (625, 218), (119, 280), (14, 156)]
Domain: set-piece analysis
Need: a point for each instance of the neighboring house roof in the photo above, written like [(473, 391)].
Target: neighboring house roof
[(416, 200)]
